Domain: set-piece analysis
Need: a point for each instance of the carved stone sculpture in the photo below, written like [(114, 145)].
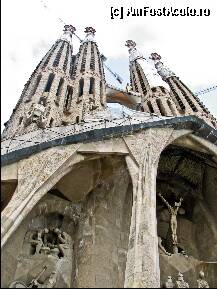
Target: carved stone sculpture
[(33, 284), (62, 242), (180, 283), (201, 282), (173, 220), (169, 283), (36, 114), (46, 260)]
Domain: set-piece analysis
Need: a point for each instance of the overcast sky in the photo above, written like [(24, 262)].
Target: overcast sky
[(188, 45)]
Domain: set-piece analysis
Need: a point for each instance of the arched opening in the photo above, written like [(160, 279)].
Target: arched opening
[(84, 58), (150, 107), (38, 79), (160, 107), (51, 122), (59, 90), (68, 98), (186, 214), (92, 58), (81, 87), (58, 55), (49, 82), (92, 86), (163, 89)]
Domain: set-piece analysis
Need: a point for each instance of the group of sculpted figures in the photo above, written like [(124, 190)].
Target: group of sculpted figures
[(45, 241), (180, 282), (50, 241)]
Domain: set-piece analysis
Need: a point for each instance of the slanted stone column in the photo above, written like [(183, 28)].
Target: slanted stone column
[(142, 268), (36, 176)]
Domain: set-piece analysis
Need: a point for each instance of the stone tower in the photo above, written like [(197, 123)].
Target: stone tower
[(92, 198), (186, 102), (146, 80), (88, 96), (42, 101)]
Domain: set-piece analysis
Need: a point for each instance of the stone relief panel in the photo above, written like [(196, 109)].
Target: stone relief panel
[(46, 260), (43, 255)]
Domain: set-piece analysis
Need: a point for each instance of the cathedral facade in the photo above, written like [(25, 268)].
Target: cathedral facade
[(94, 198)]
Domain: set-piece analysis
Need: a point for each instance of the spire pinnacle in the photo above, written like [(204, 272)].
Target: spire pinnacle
[(162, 70), (134, 53), (148, 68), (68, 31), (90, 33)]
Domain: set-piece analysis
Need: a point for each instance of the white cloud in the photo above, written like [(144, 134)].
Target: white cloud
[(188, 45)]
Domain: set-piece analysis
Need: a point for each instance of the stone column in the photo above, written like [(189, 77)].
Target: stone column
[(142, 268)]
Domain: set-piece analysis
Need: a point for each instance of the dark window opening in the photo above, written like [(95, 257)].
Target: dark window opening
[(66, 59), (190, 102), (51, 122), (83, 62), (154, 89), (163, 89), (160, 106), (77, 119), (49, 54), (92, 86), (38, 79), (49, 83), (141, 80), (92, 59), (134, 82), (180, 102), (171, 107), (72, 70), (59, 90), (81, 87), (150, 107), (20, 120), (196, 98), (68, 97), (58, 55)]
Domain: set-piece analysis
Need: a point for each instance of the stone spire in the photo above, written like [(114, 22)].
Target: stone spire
[(186, 102), (146, 80), (42, 99), (89, 96)]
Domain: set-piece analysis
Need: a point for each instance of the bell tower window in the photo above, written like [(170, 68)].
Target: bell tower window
[(81, 87), (92, 86), (49, 83), (68, 97)]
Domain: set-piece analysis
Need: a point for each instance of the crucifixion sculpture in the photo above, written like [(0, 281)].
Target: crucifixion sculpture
[(173, 220)]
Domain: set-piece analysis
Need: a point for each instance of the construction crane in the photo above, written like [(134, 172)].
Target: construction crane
[(116, 76), (206, 90)]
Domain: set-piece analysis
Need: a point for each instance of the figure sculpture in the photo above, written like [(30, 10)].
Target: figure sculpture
[(169, 283), (33, 284), (40, 241), (62, 241), (201, 282), (173, 220), (180, 283)]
